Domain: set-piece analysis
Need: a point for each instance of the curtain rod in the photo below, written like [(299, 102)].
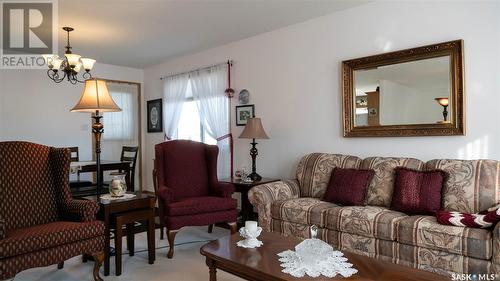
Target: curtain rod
[(197, 69)]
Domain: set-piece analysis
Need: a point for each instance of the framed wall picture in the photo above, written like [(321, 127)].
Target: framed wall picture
[(155, 116), (243, 113)]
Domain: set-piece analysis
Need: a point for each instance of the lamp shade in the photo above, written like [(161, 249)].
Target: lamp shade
[(95, 97), (253, 130), (442, 101)]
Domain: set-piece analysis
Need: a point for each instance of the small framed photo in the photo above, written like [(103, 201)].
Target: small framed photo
[(155, 116), (243, 113)]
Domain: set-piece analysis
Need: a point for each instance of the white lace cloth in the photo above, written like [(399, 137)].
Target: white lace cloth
[(314, 258), (109, 197)]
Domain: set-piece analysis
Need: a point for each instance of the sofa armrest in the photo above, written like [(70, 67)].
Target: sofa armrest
[(496, 249), (223, 189), (262, 196), (79, 210), (2, 229)]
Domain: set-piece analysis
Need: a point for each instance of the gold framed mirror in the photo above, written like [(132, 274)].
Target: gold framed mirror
[(412, 92)]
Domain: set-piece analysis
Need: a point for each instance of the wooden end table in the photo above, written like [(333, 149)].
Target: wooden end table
[(242, 187), (262, 264), (124, 211)]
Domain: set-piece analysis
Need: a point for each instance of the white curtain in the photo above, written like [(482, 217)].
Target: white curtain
[(174, 93), (121, 128), (208, 87)]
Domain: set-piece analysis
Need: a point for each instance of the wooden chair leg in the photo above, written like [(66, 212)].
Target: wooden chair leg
[(60, 265), (210, 228), (233, 226), (171, 237), (161, 231), (98, 258)]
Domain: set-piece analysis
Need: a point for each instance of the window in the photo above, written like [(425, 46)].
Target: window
[(190, 126)]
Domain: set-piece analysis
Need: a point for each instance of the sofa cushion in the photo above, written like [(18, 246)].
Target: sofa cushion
[(314, 170), (348, 186), (44, 236), (417, 192), (472, 185), (382, 184), (200, 205), (368, 221), (303, 210), (425, 231)]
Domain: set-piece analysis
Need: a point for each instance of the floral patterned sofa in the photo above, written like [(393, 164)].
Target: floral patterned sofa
[(291, 206)]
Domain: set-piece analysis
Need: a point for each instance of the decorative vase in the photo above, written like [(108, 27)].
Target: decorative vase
[(118, 185)]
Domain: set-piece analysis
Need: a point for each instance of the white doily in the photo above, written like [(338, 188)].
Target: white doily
[(314, 258), (109, 197)]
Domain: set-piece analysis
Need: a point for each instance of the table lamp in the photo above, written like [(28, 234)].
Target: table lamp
[(444, 103), (254, 130), (96, 99)]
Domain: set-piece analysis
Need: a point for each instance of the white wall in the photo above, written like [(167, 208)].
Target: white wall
[(293, 75), (33, 108)]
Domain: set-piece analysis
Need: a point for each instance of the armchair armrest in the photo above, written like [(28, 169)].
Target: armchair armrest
[(2, 229), (79, 210), (262, 196), (223, 189), (496, 249)]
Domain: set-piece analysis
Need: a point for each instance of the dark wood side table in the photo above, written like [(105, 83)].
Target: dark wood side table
[(242, 187), (125, 210)]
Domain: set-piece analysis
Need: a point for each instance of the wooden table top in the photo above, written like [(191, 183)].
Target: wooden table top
[(250, 183), (262, 263)]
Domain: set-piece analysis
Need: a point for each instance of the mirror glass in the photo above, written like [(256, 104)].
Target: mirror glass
[(414, 92)]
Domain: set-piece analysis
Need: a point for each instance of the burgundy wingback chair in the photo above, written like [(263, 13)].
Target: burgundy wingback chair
[(188, 191), (40, 223)]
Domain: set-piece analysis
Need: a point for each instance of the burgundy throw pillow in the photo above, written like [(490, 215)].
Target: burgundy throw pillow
[(348, 187), (418, 192), (484, 219)]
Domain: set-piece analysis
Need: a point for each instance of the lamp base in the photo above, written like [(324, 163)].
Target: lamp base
[(255, 177)]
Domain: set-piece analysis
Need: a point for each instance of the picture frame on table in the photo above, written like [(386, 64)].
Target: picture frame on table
[(243, 113), (155, 116)]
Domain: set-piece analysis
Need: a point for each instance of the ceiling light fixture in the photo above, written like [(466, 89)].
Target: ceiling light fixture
[(70, 65)]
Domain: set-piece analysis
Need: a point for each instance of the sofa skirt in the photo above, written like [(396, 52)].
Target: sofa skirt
[(436, 261)]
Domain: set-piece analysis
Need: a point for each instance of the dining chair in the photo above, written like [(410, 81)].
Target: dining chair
[(129, 154), (75, 157)]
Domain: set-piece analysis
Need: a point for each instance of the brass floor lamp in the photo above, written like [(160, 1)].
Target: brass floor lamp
[(96, 99)]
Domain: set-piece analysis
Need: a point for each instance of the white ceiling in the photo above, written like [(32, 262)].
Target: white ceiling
[(139, 33)]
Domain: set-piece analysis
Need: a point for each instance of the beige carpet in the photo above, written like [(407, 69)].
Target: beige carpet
[(188, 264)]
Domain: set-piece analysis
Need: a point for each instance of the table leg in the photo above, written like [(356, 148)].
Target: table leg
[(151, 238), (212, 270), (130, 239), (107, 235), (246, 207), (118, 246)]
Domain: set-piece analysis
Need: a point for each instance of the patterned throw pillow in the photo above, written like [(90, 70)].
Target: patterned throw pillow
[(417, 192), (348, 187), (485, 219)]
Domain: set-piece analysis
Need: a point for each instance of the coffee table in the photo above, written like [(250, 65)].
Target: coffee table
[(261, 264)]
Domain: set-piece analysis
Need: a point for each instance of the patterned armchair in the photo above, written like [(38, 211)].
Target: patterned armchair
[(188, 191), (40, 223)]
